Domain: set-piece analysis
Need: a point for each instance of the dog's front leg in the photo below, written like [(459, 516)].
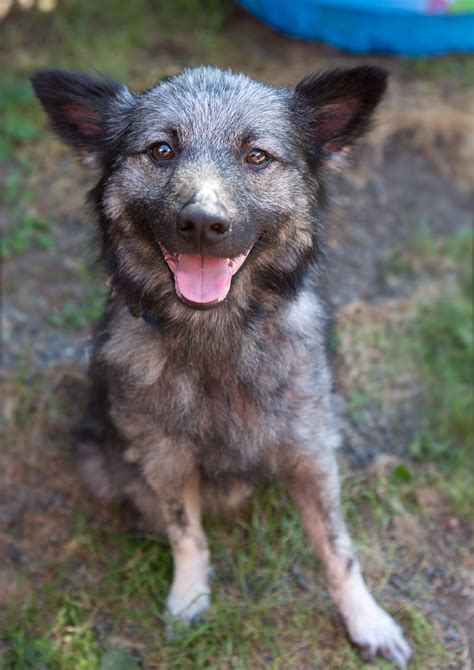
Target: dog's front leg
[(189, 595), (313, 484)]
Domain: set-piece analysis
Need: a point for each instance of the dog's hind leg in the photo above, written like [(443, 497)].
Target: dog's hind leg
[(313, 484)]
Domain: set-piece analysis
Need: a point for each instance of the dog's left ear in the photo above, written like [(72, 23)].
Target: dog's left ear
[(336, 107), (88, 113)]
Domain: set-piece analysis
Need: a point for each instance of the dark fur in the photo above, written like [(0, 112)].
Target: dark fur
[(240, 392)]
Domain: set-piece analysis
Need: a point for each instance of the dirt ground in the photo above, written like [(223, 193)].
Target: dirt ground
[(414, 175)]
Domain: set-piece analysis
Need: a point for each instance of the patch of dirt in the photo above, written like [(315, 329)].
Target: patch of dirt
[(40, 492), (381, 207)]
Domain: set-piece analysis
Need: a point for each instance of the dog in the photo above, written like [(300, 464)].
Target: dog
[(209, 372)]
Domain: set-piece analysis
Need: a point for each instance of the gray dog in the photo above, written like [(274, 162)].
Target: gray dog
[(209, 371)]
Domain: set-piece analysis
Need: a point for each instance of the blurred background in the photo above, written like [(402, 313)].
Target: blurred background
[(79, 593)]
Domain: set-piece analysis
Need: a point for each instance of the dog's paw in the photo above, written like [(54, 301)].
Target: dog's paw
[(375, 633), (189, 606)]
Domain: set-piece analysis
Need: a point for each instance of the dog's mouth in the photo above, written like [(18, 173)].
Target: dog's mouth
[(202, 281)]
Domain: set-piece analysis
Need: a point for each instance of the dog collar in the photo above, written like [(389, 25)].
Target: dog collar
[(150, 320), (147, 318)]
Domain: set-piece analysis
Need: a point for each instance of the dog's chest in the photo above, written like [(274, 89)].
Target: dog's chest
[(229, 410), (231, 401), (216, 401)]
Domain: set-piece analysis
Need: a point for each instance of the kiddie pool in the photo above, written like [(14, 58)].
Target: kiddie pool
[(408, 27)]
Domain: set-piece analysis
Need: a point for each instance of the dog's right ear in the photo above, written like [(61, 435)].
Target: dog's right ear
[(87, 113)]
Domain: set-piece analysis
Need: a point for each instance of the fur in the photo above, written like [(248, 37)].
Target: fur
[(192, 407)]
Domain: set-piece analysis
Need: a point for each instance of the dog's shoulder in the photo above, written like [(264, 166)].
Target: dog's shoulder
[(308, 315)]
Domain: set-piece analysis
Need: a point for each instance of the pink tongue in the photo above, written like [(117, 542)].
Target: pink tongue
[(202, 279)]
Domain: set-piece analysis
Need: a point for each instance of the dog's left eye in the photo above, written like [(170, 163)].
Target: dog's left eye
[(257, 158), (161, 152)]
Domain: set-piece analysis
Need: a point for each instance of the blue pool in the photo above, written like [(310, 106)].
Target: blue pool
[(409, 27)]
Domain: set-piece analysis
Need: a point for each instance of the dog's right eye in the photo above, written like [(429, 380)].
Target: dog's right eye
[(161, 152), (257, 158)]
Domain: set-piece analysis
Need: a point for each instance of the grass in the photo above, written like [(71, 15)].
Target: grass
[(426, 255), (441, 338), (97, 596), (432, 342), (356, 404), (82, 35), (19, 118), (76, 314), (445, 350), (452, 69), (27, 233), (81, 311), (14, 188), (25, 230), (260, 618)]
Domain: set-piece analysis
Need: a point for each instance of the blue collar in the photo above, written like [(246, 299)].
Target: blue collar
[(150, 320), (147, 318)]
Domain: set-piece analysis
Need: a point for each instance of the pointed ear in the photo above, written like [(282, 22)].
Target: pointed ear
[(86, 112), (337, 106)]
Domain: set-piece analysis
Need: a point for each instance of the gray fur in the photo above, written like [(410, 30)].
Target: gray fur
[(206, 403)]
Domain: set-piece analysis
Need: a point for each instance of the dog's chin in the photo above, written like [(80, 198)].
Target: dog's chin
[(202, 282)]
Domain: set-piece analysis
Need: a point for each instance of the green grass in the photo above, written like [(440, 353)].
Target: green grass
[(441, 341), (260, 617), (26, 233), (19, 117), (76, 314), (270, 608), (82, 35), (14, 188), (25, 230), (427, 255), (438, 343), (457, 69), (445, 352), (355, 406)]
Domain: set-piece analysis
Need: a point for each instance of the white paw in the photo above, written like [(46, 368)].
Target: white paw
[(369, 626), (376, 634), (188, 605)]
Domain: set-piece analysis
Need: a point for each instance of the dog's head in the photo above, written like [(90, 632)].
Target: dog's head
[(209, 174)]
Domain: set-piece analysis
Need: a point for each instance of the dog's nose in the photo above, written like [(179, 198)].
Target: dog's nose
[(203, 226)]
